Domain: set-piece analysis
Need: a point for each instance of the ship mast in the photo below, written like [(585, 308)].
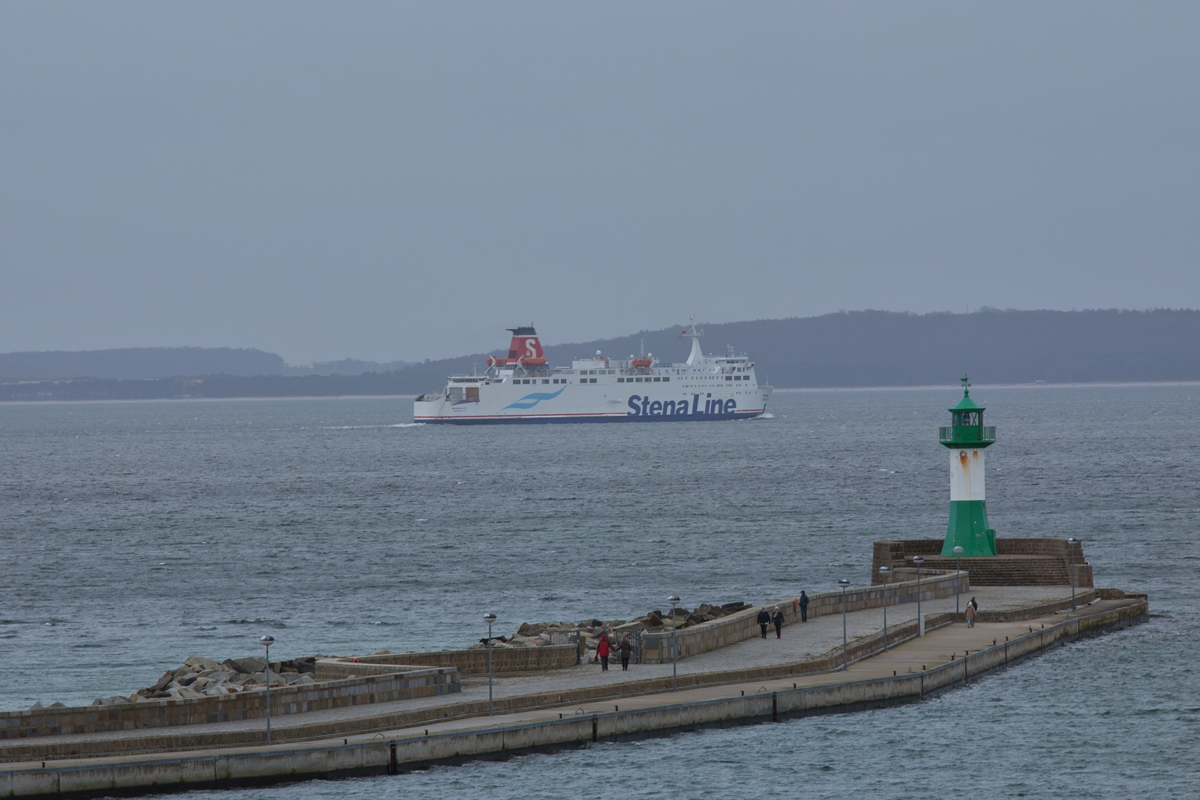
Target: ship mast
[(697, 354)]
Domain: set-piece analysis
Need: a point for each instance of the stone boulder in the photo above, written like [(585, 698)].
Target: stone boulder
[(249, 664), (200, 661)]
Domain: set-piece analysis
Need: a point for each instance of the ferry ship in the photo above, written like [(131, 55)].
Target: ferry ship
[(523, 388)]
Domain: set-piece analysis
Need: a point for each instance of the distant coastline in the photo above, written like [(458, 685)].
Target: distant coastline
[(410, 395), (850, 350)]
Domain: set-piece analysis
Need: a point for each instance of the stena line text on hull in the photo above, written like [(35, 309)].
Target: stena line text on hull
[(523, 388)]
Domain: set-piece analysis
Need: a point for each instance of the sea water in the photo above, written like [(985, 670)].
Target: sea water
[(136, 534)]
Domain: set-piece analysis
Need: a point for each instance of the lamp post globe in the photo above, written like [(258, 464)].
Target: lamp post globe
[(886, 573), (489, 618), (674, 601), (266, 642)]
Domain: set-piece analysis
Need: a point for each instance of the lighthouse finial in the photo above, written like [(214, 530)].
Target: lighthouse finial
[(966, 386)]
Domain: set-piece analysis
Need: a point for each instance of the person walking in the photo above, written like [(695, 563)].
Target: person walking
[(603, 650), (626, 650), (778, 620), (764, 619), (970, 615), (803, 606)]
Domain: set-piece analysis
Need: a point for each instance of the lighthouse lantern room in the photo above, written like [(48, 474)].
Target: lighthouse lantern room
[(967, 438)]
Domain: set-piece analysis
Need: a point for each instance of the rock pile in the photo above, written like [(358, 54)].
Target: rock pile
[(204, 677), (540, 634)]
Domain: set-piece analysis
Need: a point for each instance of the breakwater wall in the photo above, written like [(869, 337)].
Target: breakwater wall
[(709, 636), (401, 754), (293, 731), (468, 662), (285, 700)]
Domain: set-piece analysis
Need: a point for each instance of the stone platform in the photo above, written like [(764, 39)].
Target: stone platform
[(1019, 562)]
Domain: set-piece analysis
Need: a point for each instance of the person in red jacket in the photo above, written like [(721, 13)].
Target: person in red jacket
[(603, 650)]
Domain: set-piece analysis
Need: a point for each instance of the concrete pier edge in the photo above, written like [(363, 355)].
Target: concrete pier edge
[(244, 766)]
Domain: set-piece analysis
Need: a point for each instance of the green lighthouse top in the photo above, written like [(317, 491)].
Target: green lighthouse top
[(967, 411), (966, 423)]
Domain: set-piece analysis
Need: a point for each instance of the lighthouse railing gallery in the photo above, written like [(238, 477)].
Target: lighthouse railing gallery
[(973, 434)]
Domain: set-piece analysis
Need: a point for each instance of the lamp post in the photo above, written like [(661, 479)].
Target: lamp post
[(266, 642), (886, 573), (957, 556), (674, 601), (489, 618), (920, 623), (845, 658), (1071, 542)]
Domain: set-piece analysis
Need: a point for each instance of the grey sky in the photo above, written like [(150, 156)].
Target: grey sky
[(391, 180)]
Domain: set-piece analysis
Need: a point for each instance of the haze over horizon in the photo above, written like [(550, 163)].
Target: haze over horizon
[(387, 182)]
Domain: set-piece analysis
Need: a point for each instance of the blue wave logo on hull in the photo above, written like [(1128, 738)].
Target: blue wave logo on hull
[(531, 400)]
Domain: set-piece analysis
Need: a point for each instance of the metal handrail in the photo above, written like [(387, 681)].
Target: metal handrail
[(967, 434)]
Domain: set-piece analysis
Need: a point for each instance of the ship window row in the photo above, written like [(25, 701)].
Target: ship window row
[(640, 380), (597, 372), (737, 377)]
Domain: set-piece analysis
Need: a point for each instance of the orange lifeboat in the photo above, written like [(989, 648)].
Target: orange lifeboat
[(641, 362)]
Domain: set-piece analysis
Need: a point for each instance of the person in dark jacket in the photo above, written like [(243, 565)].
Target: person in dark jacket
[(764, 619), (626, 651), (602, 650), (778, 620), (803, 606), (975, 603)]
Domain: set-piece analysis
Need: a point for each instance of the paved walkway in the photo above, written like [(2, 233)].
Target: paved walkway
[(937, 647), (800, 642)]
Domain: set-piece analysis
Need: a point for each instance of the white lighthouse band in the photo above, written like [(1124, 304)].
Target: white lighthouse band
[(966, 476)]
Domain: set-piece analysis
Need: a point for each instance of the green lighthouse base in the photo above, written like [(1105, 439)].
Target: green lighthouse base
[(969, 530)]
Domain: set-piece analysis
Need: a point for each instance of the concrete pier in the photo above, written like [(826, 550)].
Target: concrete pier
[(948, 656)]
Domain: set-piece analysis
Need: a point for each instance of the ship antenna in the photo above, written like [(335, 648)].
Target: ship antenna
[(642, 348)]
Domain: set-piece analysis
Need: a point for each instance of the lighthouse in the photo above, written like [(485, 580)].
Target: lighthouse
[(967, 440)]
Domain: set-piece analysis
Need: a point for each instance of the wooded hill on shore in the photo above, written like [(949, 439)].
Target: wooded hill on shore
[(848, 349)]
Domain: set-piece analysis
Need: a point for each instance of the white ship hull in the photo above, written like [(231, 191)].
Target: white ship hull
[(705, 388)]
